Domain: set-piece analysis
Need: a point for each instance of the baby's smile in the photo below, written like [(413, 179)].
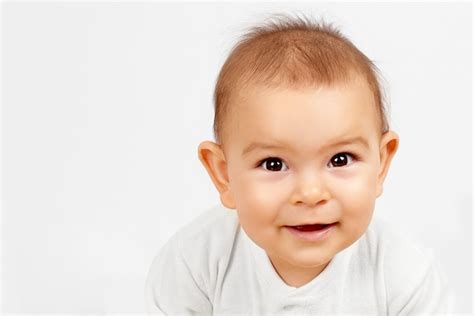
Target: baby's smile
[(304, 169), (302, 148), (314, 232)]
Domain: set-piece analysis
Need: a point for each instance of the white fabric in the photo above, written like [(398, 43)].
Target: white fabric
[(211, 266)]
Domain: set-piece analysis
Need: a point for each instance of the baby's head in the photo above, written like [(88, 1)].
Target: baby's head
[(301, 138)]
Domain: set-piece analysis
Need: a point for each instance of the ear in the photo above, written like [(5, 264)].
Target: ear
[(388, 147), (213, 159)]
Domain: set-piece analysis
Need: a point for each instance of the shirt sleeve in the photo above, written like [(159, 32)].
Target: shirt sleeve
[(171, 288), (431, 295)]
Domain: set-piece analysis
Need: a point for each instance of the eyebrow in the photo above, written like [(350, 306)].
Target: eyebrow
[(261, 145)]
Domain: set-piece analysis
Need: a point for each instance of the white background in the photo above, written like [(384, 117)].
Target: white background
[(104, 106)]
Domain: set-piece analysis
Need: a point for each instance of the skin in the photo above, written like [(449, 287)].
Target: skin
[(307, 181)]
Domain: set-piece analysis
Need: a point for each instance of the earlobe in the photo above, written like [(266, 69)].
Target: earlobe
[(388, 147), (213, 159)]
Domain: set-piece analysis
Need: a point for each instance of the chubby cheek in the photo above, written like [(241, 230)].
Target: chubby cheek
[(259, 200), (357, 201)]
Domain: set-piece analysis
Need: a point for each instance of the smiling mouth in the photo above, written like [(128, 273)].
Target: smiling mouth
[(311, 232), (311, 227), (307, 228)]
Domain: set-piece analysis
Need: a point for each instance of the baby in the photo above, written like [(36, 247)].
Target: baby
[(302, 150)]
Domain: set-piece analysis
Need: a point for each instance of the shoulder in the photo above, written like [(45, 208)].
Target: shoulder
[(187, 265), (390, 254), (391, 242), (400, 255), (213, 230), (205, 243), (408, 269)]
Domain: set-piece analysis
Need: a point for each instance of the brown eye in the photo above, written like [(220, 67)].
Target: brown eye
[(341, 159), (272, 164)]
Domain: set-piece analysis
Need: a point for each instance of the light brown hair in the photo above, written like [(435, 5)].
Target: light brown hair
[(295, 53)]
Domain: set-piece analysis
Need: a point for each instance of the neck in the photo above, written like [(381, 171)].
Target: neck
[(293, 275)]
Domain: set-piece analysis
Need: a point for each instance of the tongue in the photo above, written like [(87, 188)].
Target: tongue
[(311, 227)]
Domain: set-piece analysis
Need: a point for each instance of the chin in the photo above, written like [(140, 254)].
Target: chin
[(309, 261)]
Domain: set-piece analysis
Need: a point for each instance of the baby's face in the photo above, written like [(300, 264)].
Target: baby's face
[(305, 156)]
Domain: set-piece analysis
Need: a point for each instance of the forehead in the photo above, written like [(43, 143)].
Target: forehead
[(305, 117)]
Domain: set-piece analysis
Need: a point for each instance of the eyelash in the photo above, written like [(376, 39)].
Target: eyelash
[(354, 158)]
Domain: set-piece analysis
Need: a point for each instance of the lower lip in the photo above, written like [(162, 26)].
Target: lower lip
[(311, 235)]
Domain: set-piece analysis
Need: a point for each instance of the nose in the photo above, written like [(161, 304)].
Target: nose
[(311, 191)]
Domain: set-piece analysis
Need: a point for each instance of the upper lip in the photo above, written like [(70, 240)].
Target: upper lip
[(314, 224)]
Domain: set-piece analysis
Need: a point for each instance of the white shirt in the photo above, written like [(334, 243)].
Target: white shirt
[(211, 266)]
